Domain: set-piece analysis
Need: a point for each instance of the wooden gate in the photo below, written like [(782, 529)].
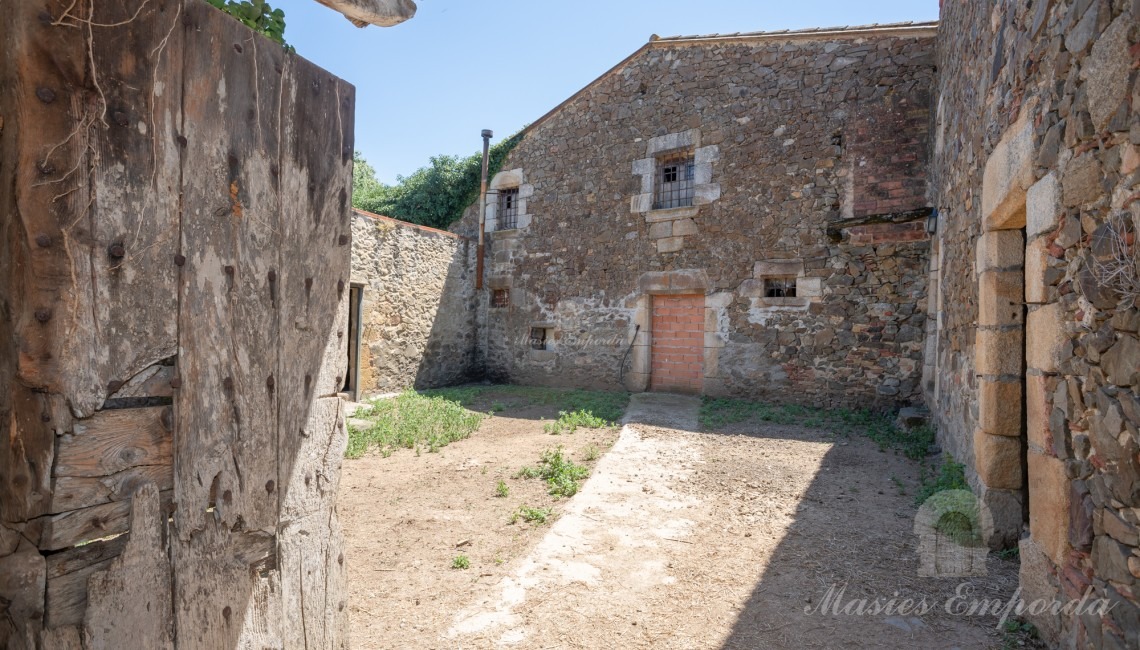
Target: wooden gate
[(174, 231)]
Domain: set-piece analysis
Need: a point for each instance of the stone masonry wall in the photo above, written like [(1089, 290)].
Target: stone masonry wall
[(1037, 144), (418, 305), (791, 134)]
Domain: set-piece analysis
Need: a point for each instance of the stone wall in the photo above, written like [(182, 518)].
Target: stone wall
[(792, 135), (418, 304), (1036, 164)]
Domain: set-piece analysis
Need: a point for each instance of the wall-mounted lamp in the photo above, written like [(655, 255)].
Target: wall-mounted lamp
[(932, 222)]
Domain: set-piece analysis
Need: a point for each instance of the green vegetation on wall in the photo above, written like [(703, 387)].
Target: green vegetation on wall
[(435, 195), (258, 16)]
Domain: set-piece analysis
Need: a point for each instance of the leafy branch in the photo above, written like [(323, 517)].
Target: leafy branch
[(258, 16)]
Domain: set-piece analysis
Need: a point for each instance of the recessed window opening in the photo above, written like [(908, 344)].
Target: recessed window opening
[(508, 209), (538, 338), (675, 173), (501, 298), (782, 287)]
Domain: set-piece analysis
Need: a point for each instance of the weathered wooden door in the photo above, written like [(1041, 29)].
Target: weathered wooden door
[(174, 231)]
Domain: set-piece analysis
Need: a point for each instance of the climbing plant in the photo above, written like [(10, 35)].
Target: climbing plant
[(435, 195), (258, 16)]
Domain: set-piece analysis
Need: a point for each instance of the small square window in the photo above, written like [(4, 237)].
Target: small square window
[(674, 183), (538, 338), (782, 287), (508, 217), (501, 298)]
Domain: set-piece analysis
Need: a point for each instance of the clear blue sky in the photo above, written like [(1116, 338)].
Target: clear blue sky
[(428, 86)]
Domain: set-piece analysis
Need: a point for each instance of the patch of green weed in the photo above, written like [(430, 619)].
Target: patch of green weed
[(501, 490), (412, 421), (560, 473), (951, 476), (461, 562), (532, 515), (569, 421)]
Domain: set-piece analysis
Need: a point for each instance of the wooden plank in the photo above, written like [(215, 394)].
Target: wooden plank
[(226, 407), (78, 526), (69, 637), (314, 274), (22, 582), (129, 603), (135, 178), (75, 492), (67, 574), (153, 381), (215, 588), (113, 441)]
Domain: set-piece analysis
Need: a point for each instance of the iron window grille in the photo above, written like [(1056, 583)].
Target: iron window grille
[(538, 338), (780, 287), (501, 298), (508, 209), (674, 181)]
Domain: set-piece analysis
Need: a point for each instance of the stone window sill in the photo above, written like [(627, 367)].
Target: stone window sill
[(671, 214), (784, 303)]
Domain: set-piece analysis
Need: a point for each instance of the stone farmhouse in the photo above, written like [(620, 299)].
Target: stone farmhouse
[(878, 216)]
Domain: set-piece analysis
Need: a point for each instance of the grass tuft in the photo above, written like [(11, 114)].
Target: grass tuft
[(532, 515), (951, 476), (570, 421), (461, 562), (411, 421), (560, 473), (501, 490)]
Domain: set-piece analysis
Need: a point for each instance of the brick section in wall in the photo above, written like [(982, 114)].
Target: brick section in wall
[(678, 343), (887, 233), (889, 150)]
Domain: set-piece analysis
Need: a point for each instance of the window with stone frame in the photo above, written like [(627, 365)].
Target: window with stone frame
[(508, 213), (501, 298), (673, 187), (780, 287), (538, 338)]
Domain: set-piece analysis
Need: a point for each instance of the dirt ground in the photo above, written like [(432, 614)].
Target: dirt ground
[(680, 539)]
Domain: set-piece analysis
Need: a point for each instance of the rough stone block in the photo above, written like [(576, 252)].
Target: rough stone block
[(1038, 585), (719, 300), (1005, 508), (706, 193), (999, 407), (1049, 517), (709, 154), (526, 190), (507, 178), (1080, 183), (1121, 362), (671, 141), (1007, 177), (999, 249), (1105, 71), (809, 287), (653, 281), (682, 227), (1037, 409), (1000, 298), (644, 166), (1043, 205), (997, 460), (777, 268), (670, 244), (998, 352), (639, 203), (711, 362), (713, 340), (1045, 333), (661, 229), (1036, 263)]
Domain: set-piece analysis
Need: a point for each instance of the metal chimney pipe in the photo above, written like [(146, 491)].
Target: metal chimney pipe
[(487, 134)]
